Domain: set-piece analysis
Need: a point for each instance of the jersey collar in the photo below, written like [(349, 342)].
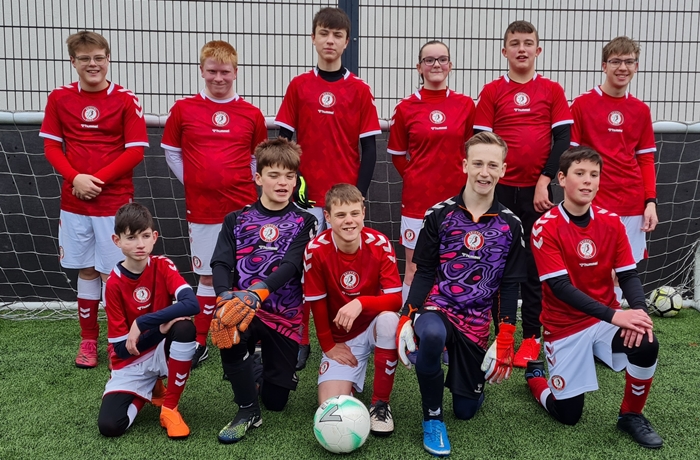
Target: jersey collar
[(346, 74), (507, 79), (493, 209), (110, 88), (563, 213), (600, 92), (219, 101)]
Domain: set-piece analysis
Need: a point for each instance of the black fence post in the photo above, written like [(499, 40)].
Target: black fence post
[(351, 55)]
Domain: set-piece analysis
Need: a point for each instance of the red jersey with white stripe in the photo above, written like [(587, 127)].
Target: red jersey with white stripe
[(95, 128), (217, 140), (431, 127), (588, 255), (523, 114), (339, 277), (619, 128), (126, 299), (329, 119)]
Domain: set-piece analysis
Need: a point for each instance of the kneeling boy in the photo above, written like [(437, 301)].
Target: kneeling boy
[(152, 336)]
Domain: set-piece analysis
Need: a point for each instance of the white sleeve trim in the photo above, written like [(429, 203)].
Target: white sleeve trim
[(483, 128), (563, 122), (651, 150), (117, 339), (170, 147), (49, 136), (626, 268), (371, 133), (396, 152), (136, 144), (574, 144), (553, 274), (174, 160), (315, 297), (285, 125), (184, 286), (392, 290)]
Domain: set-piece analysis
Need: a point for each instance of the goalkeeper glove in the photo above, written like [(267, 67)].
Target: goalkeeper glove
[(405, 337), (498, 362), (223, 336), (237, 308), (300, 196)]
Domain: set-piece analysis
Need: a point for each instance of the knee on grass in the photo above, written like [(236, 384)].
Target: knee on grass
[(465, 408)]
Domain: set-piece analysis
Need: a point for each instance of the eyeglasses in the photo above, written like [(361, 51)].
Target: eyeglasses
[(618, 62), (430, 61), (85, 60)]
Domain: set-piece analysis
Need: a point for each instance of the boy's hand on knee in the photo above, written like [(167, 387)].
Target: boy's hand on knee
[(342, 354), (165, 327)]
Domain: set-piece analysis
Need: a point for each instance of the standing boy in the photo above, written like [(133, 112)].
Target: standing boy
[(532, 115), (152, 337), (576, 247), (94, 135), (331, 110), (352, 284), (469, 257), (263, 245), (618, 126), (209, 141)]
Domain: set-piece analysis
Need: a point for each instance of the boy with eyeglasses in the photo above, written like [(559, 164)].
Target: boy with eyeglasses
[(331, 110), (532, 115), (618, 126), (94, 135)]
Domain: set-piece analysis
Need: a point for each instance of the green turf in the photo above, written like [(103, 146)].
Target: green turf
[(48, 410)]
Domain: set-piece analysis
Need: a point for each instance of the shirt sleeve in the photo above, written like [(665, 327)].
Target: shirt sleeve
[(260, 132), (369, 120), (117, 326), (51, 127), (314, 281), (647, 141), (576, 128), (287, 113), (427, 258), (398, 135), (561, 115), (545, 250), (515, 270), (624, 260), (223, 260), (485, 110), (319, 308), (172, 133), (471, 115)]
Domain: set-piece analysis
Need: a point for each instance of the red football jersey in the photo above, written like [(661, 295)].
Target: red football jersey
[(217, 141), (95, 128), (588, 255), (329, 119), (340, 278), (126, 299), (619, 128), (431, 127), (523, 114)]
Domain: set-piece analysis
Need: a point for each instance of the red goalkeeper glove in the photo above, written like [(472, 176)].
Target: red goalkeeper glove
[(498, 362), (405, 337)]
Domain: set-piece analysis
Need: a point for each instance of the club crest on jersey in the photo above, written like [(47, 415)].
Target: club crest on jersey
[(615, 118), (327, 99), (586, 249), (197, 262), (220, 119), (349, 280), (90, 113), (474, 240), (558, 382), (142, 294), (269, 233), (521, 99), (409, 235), (437, 117)]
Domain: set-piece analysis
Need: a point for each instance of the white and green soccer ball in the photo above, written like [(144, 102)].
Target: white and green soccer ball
[(341, 424), (665, 301)]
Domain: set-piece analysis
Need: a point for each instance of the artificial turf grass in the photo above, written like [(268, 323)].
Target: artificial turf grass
[(48, 409)]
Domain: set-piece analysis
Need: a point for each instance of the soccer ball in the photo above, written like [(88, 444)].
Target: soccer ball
[(665, 301), (341, 424)]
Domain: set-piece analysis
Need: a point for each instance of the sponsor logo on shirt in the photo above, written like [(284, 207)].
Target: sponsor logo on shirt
[(409, 235), (327, 99), (220, 119), (142, 294), (90, 113), (521, 100), (349, 280), (269, 233), (586, 249), (474, 240)]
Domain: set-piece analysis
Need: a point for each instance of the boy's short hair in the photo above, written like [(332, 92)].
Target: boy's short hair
[(332, 18), (432, 42), (132, 218), (577, 155), (343, 194), (86, 39), (277, 152), (488, 138), (520, 27), (620, 46), (221, 51)]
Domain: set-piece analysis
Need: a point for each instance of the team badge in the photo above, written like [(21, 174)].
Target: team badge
[(220, 119), (327, 99), (615, 118), (409, 235), (197, 262), (558, 382), (437, 117), (90, 113), (474, 240), (521, 99), (269, 233), (349, 280), (586, 249), (142, 294), (324, 367), (60, 252)]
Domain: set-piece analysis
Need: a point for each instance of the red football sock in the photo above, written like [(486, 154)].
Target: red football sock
[(178, 373), (202, 320), (636, 394), (305, 324), (385, 362), (87, 314), (538, 385)]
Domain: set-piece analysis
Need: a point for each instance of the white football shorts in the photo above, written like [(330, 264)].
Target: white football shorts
[(638, 239), (140, 376), (86, 241), (203, 239), (410, 229)]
